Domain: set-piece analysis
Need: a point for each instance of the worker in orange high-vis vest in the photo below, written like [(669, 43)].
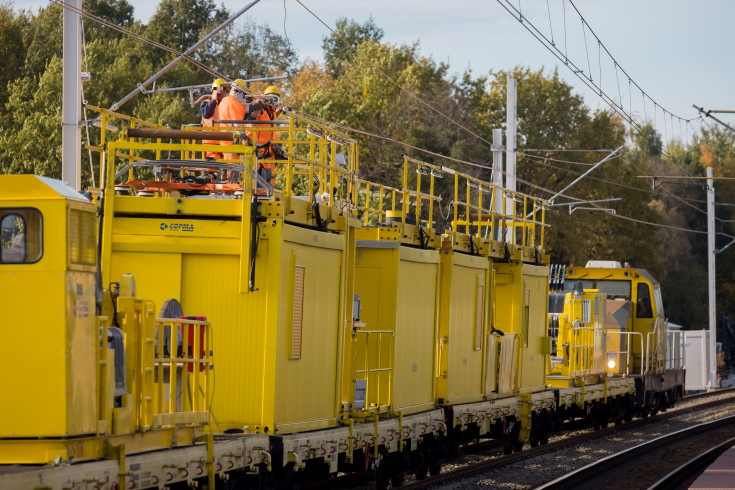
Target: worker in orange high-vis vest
[(209, 110), (232, 108), (265, 110)]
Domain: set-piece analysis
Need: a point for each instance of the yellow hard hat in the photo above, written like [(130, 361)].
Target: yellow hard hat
[(240, 85), (219, 83), (272, 91)]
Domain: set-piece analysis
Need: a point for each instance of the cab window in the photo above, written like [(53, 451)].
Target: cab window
[(21, 236), (643, 302)]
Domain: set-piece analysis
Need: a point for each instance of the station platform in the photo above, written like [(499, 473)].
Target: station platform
[(720, 474)]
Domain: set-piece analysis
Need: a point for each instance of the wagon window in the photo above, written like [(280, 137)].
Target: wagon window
[(20, 236)]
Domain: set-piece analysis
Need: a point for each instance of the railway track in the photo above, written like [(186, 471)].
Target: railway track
[(683, 476), (641, 465), (446, 478)]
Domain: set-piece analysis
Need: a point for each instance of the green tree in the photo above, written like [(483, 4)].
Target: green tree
[(340, 46), (179, 24), (251, 51), (363, 98), (23, 130), (43, 39), (12, 47)]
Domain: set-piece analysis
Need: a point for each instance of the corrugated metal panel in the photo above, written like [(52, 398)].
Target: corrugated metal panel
[(238, 328), (297, 312), (464, 361), (536, 280), (479, 315)]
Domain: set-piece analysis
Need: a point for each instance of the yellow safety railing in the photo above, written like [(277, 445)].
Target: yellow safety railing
[(382, 204), (168, 370), (373, 361), (104, 123), (313, 161), (137, 321), (184, 370), (476, 214), (582, 350)]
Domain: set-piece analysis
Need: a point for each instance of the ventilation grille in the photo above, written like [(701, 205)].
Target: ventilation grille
[(297, 317), (478, 319), (82, 241), (586, 311)]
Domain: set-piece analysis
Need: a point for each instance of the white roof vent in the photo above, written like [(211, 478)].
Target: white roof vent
[(603, 264)]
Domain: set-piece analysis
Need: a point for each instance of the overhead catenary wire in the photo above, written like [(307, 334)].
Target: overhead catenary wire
[(139, 37), (484, 166), (579, 73), (396, 84), (411, 94), (555, 51), (522, 181)]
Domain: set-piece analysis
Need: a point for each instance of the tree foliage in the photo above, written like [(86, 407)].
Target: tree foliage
[(340, 46), (396, 100)]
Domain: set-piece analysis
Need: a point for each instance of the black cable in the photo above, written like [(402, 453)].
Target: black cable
[(255, 241)]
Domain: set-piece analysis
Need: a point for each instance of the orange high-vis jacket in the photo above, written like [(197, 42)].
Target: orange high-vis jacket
[(230, 109), (266, 113)]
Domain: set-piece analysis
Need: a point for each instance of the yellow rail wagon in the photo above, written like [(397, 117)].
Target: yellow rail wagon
[(274, 270), (501, 329), (392, 352)]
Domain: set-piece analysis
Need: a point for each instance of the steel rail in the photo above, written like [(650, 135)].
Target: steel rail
[(490, 464), (693, 467), (593, 474)]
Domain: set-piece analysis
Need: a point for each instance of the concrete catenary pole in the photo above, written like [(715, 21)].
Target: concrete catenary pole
[(498, 178), (711, 276), (71, 109), (510, 158)]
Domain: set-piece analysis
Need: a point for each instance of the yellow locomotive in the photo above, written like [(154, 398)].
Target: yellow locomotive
[(612, 333), (294, 325)]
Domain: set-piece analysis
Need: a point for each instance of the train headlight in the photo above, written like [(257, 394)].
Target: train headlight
[(611, 364)]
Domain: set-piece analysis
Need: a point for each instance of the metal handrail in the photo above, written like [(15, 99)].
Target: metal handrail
[(379, 370), (629, 336)]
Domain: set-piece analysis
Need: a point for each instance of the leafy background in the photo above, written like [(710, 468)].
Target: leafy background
[(349, 89)]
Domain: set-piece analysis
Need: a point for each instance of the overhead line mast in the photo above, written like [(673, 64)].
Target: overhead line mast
[(71, 109)]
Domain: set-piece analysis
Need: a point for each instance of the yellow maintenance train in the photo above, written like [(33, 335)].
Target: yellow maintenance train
[(204, 323)]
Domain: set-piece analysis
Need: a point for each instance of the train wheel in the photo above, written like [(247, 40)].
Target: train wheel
[(435, 469), (533, 439), (518, 446), (507, 447), (397, 480), (543, 437), (421, 472), (381, 480)]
